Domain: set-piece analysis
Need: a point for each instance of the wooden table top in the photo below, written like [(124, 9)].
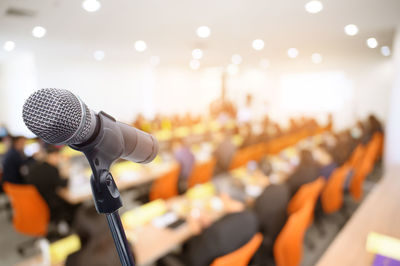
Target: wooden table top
[(146, 175), (380, 212)]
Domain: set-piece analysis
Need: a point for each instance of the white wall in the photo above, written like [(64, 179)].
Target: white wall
[(18, 80), (392, 143), (123, 89)]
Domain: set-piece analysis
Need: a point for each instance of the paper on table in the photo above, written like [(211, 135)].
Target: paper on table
[(202, 191), (60, 249), (383, 245), (144, 214)]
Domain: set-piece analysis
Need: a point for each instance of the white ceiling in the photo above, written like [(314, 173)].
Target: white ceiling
[(168, 27)]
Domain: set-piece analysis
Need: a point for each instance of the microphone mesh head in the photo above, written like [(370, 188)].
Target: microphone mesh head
[(55, 115)]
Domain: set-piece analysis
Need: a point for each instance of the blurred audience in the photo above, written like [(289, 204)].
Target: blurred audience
[(184, 156), (14, 160), (270, 208), (46, 177), (307, 171), (224, 236)]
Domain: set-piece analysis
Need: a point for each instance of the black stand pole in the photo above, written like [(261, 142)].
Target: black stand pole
[(107, 201), (120, 240)]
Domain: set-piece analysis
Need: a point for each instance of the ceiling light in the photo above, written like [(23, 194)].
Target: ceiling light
[(258, 44), (264, 63), (140, 46), (154, 61), (236, 59), (194, 64), (197, 54), (38, 32), (385, 50), (9, 46), (232, 69), (91, 5), (203, 32), (99, 55), (316, 58), (372, 42), (292, 52), (314, 7), (351, 29)]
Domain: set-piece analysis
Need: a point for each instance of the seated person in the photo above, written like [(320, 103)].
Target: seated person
[(224, 236), (186, 160), (14, 160), (224, 154), (46, 177), (97, 245), (374, 124), (307, 171), (270, 208), (328, 165)]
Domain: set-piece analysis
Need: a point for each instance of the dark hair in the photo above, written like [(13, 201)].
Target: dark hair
[(51, 148), (88, 223), (14, 139), (306, 157)]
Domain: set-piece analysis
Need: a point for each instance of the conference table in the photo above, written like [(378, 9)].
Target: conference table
[(127, 175), (379, 212)]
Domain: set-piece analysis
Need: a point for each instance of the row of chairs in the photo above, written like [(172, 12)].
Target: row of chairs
[(288, 247), (167, 185), (257, 151)]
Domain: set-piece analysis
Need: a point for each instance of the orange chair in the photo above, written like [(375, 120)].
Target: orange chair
[(31, 213), (380, 144), (307, 192), (357, 156), (288, 247), (240, 158), (241, 256), (332, 194), (201, 173), (166, 186), (364, 168)]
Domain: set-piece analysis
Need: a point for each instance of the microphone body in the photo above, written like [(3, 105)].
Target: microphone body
[(59, 117)]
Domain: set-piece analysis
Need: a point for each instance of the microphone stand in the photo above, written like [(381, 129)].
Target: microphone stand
[(101, 153)]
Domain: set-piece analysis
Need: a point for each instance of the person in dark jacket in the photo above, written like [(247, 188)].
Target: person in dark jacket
[(270, 208), (97, 245), (14, 160), (224, 236), (46, 177), (307, 171), (224, 154)]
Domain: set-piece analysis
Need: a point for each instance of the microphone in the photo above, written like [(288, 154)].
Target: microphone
[(59, 117)]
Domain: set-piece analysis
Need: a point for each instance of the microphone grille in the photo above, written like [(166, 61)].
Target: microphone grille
[(55, 115)]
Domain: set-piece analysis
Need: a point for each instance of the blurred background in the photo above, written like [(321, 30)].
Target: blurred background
[(266, 112)]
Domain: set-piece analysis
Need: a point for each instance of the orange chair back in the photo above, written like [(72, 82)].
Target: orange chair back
[(240, 158), (166, 186), (307, 192), (241, 256), (31, 214), (366, 165), (332, 194), (364, 168), (201, 173), (357, 156), (288, 247), (380, 144)]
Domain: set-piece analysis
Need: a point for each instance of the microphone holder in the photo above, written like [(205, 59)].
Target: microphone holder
[(101, 153)]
